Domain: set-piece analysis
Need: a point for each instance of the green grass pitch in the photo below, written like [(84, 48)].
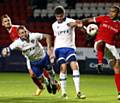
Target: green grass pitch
[(18, 88)]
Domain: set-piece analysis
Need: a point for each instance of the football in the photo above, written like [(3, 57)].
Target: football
[(92, 29)]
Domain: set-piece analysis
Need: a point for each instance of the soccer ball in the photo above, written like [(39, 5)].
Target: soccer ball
[(92, 29)]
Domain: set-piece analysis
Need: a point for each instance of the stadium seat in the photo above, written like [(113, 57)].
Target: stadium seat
[(108, 5), (101, 5), (93, 5), (63, 4), (79, 13), (44, 13), (50, 6), (101, 11), (94, 14), (78, 6), (94, 11), (72, 13), (56, 4), (86, 5), (36, 13), (67, 12), (50, 13), (86, 12)]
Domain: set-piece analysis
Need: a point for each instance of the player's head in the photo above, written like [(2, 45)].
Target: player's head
[(6, 21), (114, 12), (59, 13), (23, 32)]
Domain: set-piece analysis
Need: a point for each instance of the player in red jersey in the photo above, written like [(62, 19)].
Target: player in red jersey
[(109, 27), (12, 30)]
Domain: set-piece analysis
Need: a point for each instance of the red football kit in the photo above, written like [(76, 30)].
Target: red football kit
[(108, 29), (13, 32)]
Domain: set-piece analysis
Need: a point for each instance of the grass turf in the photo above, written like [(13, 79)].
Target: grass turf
[(18, 88)]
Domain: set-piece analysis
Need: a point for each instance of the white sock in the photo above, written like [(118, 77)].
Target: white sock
[(63, 82), (52, 75), (76, 79)]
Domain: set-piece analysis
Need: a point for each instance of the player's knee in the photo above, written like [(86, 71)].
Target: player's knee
[(112, 62), (99, 45), (101, 42), (60, 64), (117, 70), (63, 68), (31, 73), (62, 61), (117, 67), (74, 65), (117, 64)]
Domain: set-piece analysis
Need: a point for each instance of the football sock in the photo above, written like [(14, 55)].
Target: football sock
[(37, 82), (63, 82), (76, 79), (51, 73), (46, 74), (117, 81), (100, 54)]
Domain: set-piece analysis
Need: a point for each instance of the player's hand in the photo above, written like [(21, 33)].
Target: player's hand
[(51, 54), (5, 52), (79, 23)]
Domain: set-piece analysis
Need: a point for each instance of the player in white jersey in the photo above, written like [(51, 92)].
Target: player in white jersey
[(12, 30), (32, 49), (64, 47)]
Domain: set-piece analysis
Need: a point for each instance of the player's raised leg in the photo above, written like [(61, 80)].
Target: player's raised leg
[(99, 48)]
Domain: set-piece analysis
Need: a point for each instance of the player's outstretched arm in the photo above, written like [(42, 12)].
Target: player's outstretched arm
[(49, 44), (48, 40), (84, 22), (87, 21), (7, 50), (77, 23), (81, 23)]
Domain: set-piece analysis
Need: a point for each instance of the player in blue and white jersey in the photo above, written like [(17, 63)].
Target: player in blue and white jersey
[(65, 50), (33, 51)]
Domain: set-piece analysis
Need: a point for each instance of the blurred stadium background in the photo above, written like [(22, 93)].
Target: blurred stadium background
[(38, 15)]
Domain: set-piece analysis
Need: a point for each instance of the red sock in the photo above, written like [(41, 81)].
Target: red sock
[(37, 82), (46, 74), (100, 54), (117, 81)]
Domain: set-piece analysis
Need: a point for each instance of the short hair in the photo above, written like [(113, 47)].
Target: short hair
[(116, 7), (59, 10), (4, 16), (21, 27)]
